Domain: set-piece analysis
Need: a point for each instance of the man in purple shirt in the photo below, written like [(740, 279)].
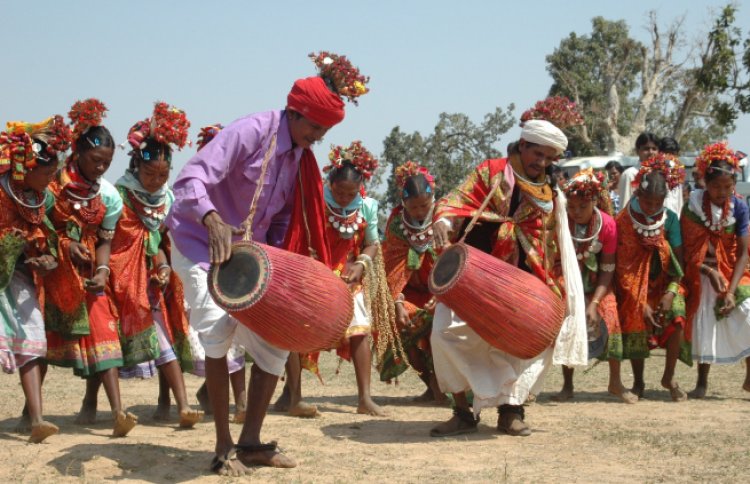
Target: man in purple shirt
[(213, 195)]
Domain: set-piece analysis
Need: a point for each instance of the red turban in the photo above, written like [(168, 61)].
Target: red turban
[(312, 99)]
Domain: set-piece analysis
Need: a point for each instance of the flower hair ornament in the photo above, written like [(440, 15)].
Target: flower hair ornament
[(85, 115), (714, 153), (168, 125), (669, 165), (558, 110), (23, 145), (356, 154), (207, 134), (586, 184), (340, 75), (410, 169)]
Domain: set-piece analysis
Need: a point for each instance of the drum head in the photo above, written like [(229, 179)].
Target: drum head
[(241, 281), (448, 268)]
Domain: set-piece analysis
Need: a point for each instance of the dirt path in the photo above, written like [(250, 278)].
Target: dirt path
[(596, 438)]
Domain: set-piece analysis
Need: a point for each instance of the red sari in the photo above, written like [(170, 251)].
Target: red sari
[(82, 328), (407, 272), (133, 264)]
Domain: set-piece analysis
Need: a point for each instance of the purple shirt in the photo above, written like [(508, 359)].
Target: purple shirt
[(223, 177)]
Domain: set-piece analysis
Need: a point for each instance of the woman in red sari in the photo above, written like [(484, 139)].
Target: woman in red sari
[(715, 230), (648, 273), (409, 257), (28, 162), (82, 325), (594, 235), (148, 296)]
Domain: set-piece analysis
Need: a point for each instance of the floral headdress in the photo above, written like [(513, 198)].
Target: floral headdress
[(20, 148), (558, 110), (168, 125), (207, 134), (341, 76), (85, 115), (410, 169), (716, 152), (668, 164), (356, 154), (587, 184)]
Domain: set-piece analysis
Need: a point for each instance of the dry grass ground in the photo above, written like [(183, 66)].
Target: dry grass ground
[(593, 439)]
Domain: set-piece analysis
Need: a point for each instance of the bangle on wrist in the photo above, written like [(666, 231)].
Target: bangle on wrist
[(163, 266), (361, 263), (673, 287), (595, 301), (105, 267)]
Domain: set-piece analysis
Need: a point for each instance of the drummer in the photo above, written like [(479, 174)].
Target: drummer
[(518, 226), (213, 194)]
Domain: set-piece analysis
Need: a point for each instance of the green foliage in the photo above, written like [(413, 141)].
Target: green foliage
[(455, 146)]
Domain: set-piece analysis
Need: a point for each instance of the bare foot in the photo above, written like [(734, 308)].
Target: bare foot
[(284, 401), (530, 399), (124, 423), (563, 396), (87, 414), (228, 465), (746, 385), (625, 395), (239, 418), (203, 400), (190, 417), (698, 393), (638, 390), (264, 455), (41, 431), (303, 410), (368, 407), (162, 412), (677, 393)]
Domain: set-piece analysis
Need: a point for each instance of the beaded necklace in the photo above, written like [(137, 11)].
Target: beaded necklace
[(29, 210), (345, 225), (418, 236), (725, 219), (588, 243), (646, 230)]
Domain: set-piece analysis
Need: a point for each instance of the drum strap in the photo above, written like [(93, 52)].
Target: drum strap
[(479, 212), (258, 189)]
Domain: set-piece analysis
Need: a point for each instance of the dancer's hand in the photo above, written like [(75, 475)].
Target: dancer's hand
[(97, 283), (402, 316), (665, 305), (729, 303), (592, 314), (219, 237), (79, 253), (718, 282), (650, 317), (441, 234), (43, 264), (353, 275)]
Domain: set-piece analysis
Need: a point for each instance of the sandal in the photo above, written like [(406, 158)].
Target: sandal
[(278, 459), (228, 465), (462, 422)]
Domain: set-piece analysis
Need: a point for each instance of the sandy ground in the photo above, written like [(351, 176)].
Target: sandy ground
[(596, 438)]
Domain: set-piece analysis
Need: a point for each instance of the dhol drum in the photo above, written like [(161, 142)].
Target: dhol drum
[(292, 301), (510, 309)]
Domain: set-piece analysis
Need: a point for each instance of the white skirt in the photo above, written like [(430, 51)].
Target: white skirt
[(22, 336), (720, 341), (464, 361)]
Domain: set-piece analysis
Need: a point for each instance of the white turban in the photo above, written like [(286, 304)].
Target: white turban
[(544, 133)]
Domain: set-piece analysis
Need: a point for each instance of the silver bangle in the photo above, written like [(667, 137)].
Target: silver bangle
[(162, 266), (105, 267), (364, 258), (607, 267), (105, 234)]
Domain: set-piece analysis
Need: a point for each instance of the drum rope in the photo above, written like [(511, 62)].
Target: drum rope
[(258, 189)]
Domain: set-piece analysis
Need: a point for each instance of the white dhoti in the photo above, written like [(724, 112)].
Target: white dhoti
[(725, 340), (216, 329), (464, 361)]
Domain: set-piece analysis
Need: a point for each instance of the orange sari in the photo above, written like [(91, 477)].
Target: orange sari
[(82, 328), (407, 272), (132, 262), (640, 279)]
